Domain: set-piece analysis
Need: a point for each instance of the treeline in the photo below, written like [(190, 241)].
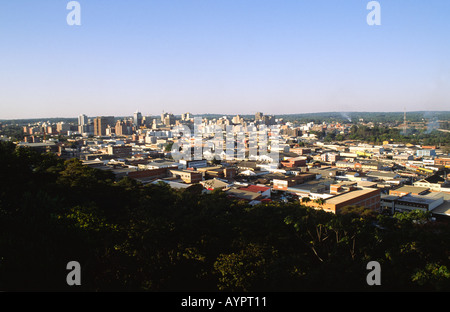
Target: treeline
[(13, 132), (379, 134), (24, 122), (131, 237), (375, 117)]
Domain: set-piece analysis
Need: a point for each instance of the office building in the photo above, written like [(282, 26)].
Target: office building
[(62, 128), (137, 119), (101, 123), (368, 198), (258, 116), (82, 120), (121, 151), (167, 119), (186, 116), (123, 128)]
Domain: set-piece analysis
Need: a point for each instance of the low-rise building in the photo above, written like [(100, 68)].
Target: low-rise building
[(435, 183), (120, 151), (407, 189), (330, 157), (215, 184), (409, 202), (202, 163), (403, 157), (294, 162), (249, 196), (260, 189), (383, 175), (368, 198), (426, 153), (188, 176), (150, 175), (442, 161), (284, 183)]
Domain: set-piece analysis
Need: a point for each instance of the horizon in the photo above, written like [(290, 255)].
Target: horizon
[(225, 57), (343, 114)]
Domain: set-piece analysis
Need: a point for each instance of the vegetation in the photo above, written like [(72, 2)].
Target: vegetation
[(379, 134), (131, 237), (13, 132)]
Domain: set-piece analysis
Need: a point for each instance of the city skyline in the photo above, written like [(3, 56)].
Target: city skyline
[(216, 57), (427, 114)]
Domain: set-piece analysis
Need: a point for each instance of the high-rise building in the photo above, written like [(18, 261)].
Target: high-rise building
[(137, 119), (146, 121), (237, 119), (82, 120), (186, 116), (268, 120), (123, 128), (62, 127), (101, 123), (167, 119), (258, 116), (83, 124)]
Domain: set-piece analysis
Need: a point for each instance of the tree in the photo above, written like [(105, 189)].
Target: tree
[(168, 147), (306, 199), (319, 201), (434, 277), (246, 270)]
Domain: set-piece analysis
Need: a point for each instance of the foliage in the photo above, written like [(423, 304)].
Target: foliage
[(13, 132), (379, 134)]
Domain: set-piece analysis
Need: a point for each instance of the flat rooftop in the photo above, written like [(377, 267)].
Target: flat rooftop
[(41, 144), (389, 197), (411, 189), (443, 209), (349, 196), (366, 184), (311, 186), (418, 199)]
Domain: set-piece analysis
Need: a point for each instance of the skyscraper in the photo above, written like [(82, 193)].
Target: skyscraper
[(185, 116), (82, 120), (137, 119), (83, 124), (123, 128), (258, 116), (167, 119), (101, 123)]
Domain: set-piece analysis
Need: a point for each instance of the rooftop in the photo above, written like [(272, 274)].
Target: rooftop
[(315, 186), (419, 199), (243, 194), (411, 189), (387, 174), (349, 196), (255, 188), (37, 144), (443, 209)]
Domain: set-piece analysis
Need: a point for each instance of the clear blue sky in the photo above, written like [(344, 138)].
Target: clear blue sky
[(222, 56)]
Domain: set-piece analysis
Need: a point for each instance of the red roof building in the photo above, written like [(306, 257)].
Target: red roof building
[(263, 190)]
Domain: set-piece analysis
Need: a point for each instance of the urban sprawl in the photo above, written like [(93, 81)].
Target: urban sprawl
[(388, 177)]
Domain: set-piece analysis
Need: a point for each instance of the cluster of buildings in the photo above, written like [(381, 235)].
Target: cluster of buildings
[(386, 178)]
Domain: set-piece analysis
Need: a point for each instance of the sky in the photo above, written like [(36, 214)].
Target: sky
[(222, 57)]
